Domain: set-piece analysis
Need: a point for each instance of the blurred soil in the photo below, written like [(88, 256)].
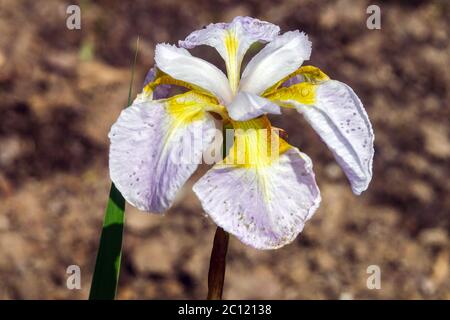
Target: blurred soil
[(60, 91)]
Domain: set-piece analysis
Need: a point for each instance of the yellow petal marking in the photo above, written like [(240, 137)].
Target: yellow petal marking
[(163, 78), (256, 147), (303, 92), (186, 108), (256, 144), (191, 106), (232, 63)]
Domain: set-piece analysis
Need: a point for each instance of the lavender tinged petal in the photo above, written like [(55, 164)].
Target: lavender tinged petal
[(152, 153), (265, 208)]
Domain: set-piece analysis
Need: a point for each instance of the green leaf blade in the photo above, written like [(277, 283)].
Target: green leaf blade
[(107, 265)]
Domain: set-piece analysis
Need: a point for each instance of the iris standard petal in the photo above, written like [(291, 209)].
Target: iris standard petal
[(336, 113), (275, 61), (181, 65), (155, 148), (246, 106), (232, 41), (263, 203)]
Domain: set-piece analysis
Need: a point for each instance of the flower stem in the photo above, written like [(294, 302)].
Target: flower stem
[(216, 274)]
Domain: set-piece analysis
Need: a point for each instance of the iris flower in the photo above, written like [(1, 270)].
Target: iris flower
[(264, 200)]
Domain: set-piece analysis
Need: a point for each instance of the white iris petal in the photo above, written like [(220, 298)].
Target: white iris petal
[(246, 106), (276, 60), (181, 65)]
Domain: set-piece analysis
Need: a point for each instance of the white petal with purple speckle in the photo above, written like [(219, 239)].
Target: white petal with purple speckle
[(246, 30), (265, 208), (338, 116), (147, 146)]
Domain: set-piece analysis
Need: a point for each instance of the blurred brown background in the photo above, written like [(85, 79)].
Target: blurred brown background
[(61, 90)]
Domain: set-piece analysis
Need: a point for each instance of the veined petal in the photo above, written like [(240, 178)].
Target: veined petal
[(265, 207), (156, 146), (275, 61), (232, 41), (336, 113), (246, 106), (181, 65)]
